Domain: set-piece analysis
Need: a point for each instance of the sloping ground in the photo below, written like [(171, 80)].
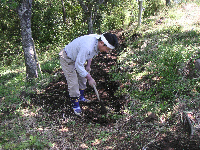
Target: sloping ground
[(55, 95), (53, 125), (118, 129), (191, 18)]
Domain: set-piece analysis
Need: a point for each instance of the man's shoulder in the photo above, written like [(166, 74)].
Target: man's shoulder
[(88, 39), (90, 36)]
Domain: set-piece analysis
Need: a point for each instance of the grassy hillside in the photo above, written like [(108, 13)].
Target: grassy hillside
[(145, 86), (157, 67)]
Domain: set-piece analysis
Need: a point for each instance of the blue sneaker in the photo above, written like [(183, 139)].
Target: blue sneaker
[(75, 105), (77, 111), (82, 98)]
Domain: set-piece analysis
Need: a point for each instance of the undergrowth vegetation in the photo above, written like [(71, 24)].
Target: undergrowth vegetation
[(155, 70), (157, 67)]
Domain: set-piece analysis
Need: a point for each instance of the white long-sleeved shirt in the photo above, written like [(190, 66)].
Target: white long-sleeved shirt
[(82, 49)]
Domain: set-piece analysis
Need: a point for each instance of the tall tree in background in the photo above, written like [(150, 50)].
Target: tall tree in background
[(90, 8), (64, 12), (167, 2), (24, 12)]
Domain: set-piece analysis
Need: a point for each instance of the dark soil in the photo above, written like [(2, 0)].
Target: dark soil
[(56, 93), (131, 132)]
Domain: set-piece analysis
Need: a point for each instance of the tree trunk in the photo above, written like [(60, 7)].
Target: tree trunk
[(167, 2), (90, 25), (88, 14), (24, 12), (64, 12), (140, 13)]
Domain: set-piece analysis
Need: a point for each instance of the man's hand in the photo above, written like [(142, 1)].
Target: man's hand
[(88, 69), (90, 80)]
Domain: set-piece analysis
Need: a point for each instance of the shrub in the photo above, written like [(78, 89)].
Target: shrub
[(152, 6)]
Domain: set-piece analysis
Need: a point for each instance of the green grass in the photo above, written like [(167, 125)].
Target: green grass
[(156, 64), (152, 70), (13, 132)]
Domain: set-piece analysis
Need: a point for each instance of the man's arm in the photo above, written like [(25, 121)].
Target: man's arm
[(88, 68), (89, 77)]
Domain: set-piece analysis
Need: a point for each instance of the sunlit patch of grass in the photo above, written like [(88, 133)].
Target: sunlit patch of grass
[(19, 132), (158, 56), (147, 71), (186, 16), (12, 85)]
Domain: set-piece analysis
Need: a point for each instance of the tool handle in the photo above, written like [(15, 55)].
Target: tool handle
[(95, 89)]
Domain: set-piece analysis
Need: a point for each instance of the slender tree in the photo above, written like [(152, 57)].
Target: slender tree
[(64, 12), (90, 8), (24, 12), (140, 12), (167, 2)]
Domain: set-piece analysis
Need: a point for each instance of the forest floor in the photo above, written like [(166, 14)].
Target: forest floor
[(51, 124), (117, 129)]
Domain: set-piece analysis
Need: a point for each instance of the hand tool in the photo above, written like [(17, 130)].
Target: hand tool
[(103, 108)]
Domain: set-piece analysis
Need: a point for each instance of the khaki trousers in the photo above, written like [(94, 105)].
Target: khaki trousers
[(74, 81)]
